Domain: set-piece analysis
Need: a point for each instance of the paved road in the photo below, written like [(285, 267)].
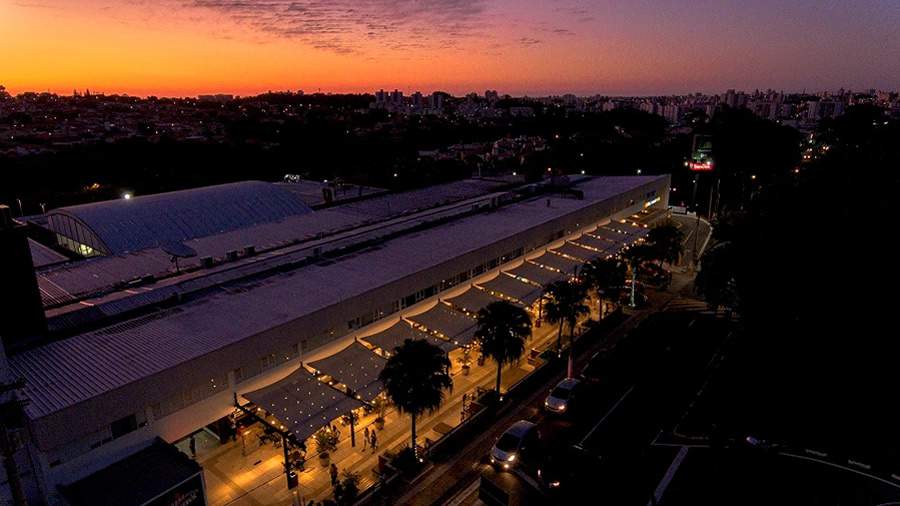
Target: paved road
[(696, 232), (454, 477)]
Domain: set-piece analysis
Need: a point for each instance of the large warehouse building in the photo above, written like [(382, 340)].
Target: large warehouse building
[(184, 302)]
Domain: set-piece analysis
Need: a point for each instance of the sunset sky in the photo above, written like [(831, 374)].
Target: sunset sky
[(186, 47)]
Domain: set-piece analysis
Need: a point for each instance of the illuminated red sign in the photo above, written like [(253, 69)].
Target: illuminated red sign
[(701, 166)]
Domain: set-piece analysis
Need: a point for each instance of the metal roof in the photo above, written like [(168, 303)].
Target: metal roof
[(302, 403), (151, 221), (42, 255), (66, 372), (119, 484)]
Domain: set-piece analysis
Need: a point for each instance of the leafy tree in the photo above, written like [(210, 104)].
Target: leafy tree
[(415, 378), (606, 276), (716, 279), (346, 491), (566, 306), (502, 330)]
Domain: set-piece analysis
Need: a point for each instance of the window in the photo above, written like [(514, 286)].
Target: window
[(268, 361), (123, 426)]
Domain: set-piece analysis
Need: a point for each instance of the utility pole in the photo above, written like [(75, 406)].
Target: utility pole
[(11, 417), (701, 161)]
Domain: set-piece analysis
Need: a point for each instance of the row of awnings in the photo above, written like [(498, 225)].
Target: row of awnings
[(305, 402)]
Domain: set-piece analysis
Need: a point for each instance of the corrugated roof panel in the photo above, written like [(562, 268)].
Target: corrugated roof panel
[(63, 373), (139, 223)]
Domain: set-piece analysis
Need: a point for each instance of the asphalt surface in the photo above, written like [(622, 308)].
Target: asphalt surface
[(613, 429)]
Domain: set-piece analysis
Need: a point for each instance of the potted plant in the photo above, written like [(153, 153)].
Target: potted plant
[(381, 404), (466, 360), (326, 442)]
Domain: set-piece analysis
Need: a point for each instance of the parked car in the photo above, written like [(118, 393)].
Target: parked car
[(514, 445), (563, 396)]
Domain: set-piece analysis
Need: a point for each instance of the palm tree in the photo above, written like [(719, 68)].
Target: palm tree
[(566, 305), (605, 276), (667, 241), (636, 256), (502, 330), (415, 377)]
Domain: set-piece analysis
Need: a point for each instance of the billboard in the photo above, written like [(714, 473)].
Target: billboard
[(701, 156)]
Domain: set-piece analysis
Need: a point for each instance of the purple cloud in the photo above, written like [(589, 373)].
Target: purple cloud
[(340, 25)]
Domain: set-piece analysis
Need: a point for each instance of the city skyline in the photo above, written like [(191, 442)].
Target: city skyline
[(176, 48)]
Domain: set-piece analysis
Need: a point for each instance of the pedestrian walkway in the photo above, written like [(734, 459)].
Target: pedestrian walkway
[(247, 472), (250, 471)]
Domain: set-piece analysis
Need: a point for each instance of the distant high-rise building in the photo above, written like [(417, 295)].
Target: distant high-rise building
[(396, 98), (417, 100), (436, 101), (730, 98)]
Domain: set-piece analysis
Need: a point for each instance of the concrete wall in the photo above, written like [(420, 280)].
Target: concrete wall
[(66, 433)]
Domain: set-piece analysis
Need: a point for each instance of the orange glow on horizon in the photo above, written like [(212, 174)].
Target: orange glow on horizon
[(178, 48)]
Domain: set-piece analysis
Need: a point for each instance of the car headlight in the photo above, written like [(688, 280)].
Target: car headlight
[(511, 458), (554, 484)]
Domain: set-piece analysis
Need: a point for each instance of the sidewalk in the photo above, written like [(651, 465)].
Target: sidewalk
[(453, 475), (256, 477)]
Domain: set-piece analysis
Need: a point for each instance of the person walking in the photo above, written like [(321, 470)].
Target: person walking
[(365, 439), (334, 474), (374, 442)]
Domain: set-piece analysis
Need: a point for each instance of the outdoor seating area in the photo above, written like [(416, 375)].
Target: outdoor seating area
[(608, 234), (550, 260), (574, 250), (356, 368), (535, 274), (445, 322), (509, 287), (332, 407), (396, 334), (596, 243), (472, 300)]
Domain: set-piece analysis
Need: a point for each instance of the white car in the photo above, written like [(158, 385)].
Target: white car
[(514, 443), (561, 397)]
